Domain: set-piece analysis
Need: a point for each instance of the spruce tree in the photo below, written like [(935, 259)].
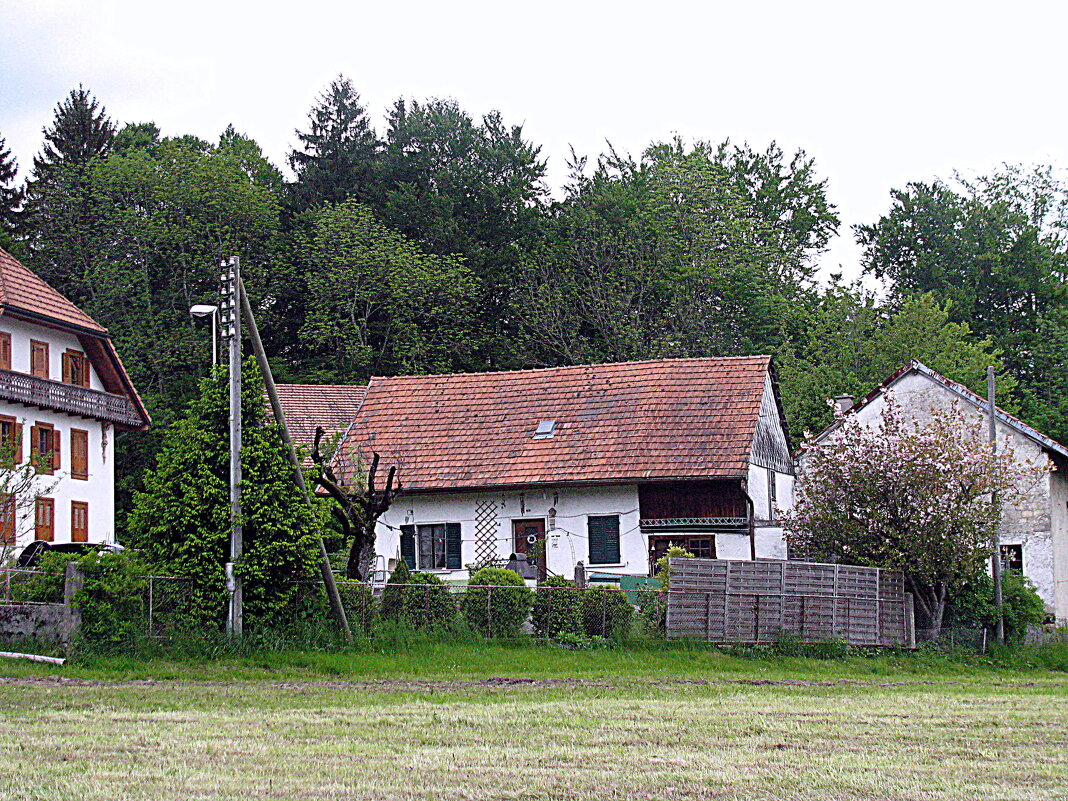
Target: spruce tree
[(181, 520), (81, 130), (336, 157), (10, 194)]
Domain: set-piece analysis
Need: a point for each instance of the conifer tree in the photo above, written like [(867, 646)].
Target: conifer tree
[(336, 157), (181, 520), (81, 130), (10, 194)]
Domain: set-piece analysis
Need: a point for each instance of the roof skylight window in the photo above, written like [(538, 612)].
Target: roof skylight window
[(546, 429)]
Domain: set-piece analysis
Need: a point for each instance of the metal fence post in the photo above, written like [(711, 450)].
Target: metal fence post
[(151, 601), (489, 611)]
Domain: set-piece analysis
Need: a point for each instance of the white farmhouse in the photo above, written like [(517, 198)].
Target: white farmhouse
[(604, 464), (63, 394), (1034, 530)]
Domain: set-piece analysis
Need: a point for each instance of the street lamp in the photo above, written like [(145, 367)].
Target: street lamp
[(203, 310)]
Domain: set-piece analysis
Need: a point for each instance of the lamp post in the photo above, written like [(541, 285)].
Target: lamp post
[(203, 310)]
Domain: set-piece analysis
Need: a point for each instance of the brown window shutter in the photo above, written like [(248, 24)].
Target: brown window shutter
[(35, 440), (7, 518), (18, 443), (85, 370), (46, 519), (79, 454), (57, 446), (66, 361), (5, 351)]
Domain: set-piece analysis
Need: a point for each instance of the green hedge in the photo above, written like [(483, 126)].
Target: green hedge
[(501, 607), (557, 608), (606, 612), (428, 603)]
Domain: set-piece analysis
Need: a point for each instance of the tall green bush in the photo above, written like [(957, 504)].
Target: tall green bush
[(973, 604), (181, 520), (557, 608), (496, 602)]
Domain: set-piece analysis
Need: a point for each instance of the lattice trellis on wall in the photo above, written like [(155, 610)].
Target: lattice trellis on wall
[(485, 532)]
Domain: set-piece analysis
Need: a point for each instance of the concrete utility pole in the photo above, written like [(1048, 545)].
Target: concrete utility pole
[(995, 560), (229, 282)]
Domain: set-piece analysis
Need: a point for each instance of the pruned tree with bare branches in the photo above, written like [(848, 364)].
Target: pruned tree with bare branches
[(358, 505)]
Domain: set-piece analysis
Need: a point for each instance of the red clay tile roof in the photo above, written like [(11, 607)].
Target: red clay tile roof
[(631, 421), (22, 290), (309, 405)]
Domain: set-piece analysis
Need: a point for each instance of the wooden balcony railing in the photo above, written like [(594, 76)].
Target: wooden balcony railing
[(47, 394)]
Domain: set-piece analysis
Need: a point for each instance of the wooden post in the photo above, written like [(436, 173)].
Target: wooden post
[(336, 607)]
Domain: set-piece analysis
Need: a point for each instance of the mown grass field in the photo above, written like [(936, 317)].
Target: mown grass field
[(498, 722)]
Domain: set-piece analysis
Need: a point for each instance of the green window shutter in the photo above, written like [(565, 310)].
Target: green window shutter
[(603, 535), (452, 546), (408, 545)]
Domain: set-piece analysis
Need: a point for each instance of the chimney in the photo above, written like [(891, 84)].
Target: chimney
[(843, 403)]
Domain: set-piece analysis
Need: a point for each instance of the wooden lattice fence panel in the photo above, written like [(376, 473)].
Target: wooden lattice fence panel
[(755, 602), (485, 532)]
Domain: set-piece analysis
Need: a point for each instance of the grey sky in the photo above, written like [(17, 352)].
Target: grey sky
[(879, 94)]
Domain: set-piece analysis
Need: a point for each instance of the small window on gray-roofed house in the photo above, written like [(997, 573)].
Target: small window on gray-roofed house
[(546, 428)]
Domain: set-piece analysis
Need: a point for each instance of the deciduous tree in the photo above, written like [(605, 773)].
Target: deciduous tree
[(912, 493)]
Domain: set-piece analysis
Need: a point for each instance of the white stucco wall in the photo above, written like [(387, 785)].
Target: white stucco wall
[(566, 544), (770, 543), (1034, 521), (98, 490), (1059, 543)]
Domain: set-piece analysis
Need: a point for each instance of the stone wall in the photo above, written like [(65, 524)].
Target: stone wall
[(57, 622)]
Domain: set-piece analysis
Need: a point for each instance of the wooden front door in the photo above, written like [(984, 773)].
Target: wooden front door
[(529, 539)]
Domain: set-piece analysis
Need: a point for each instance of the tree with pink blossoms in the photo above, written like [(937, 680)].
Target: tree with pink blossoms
[(907, 493)]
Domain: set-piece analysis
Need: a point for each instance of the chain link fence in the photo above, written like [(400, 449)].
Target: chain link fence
[(31, 587)]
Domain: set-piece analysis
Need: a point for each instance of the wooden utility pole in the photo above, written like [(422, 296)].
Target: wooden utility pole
[(336, 607), (229, 281), (995, 560)]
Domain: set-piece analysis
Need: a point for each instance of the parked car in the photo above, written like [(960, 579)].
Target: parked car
[(32, 553)]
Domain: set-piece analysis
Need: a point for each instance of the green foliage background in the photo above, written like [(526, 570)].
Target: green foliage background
[(433, 245)]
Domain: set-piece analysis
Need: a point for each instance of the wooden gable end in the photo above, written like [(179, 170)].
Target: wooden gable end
[(770, 445)]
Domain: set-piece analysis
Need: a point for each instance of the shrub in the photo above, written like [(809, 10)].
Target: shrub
[(606, 612), (500, 605), (973, 604), (419, 599), (654, 606), (112, 599), (45, 584), (557, 608)]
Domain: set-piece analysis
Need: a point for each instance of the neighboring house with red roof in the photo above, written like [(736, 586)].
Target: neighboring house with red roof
[(1034, 529), (310, 406), (603, 464), (63, 395)]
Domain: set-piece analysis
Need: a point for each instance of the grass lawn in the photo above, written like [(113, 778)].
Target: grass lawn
[(498, 722)]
